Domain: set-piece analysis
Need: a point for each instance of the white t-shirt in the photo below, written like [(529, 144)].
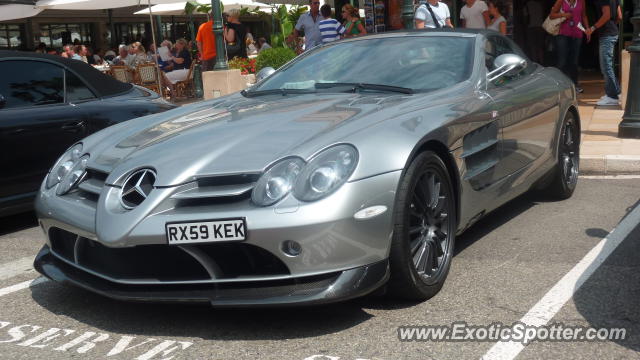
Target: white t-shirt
[(473, 15), (495, 26), (441, 11)]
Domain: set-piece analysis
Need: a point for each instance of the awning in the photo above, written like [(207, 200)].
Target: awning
[(94, 4), (177, 8), (17, 11)]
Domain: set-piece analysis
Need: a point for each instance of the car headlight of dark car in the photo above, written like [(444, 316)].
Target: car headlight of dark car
[(67, 170), (326, 173)]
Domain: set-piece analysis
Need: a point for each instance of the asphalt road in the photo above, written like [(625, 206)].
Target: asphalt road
[(504, 266)]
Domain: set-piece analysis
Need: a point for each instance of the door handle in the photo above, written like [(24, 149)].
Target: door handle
[(73, 126)]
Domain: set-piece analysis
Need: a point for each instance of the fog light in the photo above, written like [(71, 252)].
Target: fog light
[(291, 248)]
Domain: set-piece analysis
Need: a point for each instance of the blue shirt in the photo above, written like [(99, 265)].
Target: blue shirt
[(330, 30)]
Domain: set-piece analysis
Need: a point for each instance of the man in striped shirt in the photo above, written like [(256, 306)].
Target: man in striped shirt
[(330, 29)]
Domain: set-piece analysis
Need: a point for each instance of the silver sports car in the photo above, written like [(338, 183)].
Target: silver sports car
[(351, 168)]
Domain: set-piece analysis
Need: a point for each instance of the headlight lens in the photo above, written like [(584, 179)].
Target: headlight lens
[(276, 182), (64, 165), (73, 175), (326, 173)]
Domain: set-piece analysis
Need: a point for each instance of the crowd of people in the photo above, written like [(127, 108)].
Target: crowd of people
[(320, 27)]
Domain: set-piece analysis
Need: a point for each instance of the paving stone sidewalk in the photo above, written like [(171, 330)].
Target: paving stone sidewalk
[(602, 152)]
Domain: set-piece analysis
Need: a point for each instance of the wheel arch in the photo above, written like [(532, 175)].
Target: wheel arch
[(443, 153)]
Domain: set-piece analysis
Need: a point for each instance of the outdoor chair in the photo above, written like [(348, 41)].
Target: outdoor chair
[(185, 88), (121, 73), (146, 75)]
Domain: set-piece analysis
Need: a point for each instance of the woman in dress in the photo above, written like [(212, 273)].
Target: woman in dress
[(497, 22), (235, 35), (353, 24)]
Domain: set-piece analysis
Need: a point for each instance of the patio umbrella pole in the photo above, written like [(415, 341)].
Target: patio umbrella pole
[(155, 58)]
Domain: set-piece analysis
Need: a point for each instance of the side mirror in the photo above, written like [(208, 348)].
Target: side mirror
[(3, 101), (264, 73), (507, 64)]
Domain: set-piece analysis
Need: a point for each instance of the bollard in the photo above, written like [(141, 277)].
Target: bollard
[(197, 81)]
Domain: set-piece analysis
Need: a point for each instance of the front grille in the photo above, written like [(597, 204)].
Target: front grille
[(216, 190), (167, 263), (91, 184)]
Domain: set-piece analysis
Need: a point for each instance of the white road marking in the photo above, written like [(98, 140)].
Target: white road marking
[(22, 285), (610, 177), (15, 268), (563, 290)]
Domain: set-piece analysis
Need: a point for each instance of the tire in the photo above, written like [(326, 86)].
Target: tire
[(565, 177), (424, 230)]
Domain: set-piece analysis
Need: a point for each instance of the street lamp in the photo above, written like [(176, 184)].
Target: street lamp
[(221, 58), (630, 125)]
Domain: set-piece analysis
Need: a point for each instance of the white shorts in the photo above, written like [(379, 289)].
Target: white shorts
[(177, 75)]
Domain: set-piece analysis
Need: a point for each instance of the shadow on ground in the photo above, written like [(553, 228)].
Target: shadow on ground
[(14, 223), (610, 298)]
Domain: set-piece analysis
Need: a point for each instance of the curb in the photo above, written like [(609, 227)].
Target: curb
[(610, 165)]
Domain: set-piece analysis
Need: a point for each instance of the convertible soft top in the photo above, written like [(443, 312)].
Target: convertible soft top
[(103, 85)]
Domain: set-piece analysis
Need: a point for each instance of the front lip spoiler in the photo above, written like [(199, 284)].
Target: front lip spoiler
[(312, 290)]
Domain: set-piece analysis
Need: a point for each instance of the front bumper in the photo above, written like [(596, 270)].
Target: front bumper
[(308, 290), (125, 255)]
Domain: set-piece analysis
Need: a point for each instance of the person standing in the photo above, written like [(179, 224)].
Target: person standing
[(533, 16), (432, 14), (609, 15), (235, 34), (569, 38), (498, 22), (353, 26), (309, 22), (330, 29), (475, 14), (206, 43)]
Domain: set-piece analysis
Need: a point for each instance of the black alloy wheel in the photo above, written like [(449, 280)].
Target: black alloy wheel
[(568, 168), (424, 231)]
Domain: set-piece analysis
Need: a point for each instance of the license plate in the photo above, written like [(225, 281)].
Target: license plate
[(206, 231)]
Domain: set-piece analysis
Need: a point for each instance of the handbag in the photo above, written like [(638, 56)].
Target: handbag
[(552, 26)]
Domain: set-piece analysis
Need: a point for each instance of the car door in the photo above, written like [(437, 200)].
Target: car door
[(37, 125), (526, 109)]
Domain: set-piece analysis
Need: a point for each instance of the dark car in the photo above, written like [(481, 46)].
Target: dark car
[(47, 103)]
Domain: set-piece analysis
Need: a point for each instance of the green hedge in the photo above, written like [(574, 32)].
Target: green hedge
[(274, 57)]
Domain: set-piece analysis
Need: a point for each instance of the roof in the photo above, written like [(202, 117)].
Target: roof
[(101, 84)]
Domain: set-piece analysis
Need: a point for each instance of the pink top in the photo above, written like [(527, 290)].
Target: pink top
[(569, 27)]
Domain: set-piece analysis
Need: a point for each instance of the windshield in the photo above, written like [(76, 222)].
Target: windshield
[(418, 63)]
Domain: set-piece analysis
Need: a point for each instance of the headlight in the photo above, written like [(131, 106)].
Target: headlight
[(326, 172), (64, 165), (73, 175), (276, 182)]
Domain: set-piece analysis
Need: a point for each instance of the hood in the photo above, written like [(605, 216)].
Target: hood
[(235, 134)]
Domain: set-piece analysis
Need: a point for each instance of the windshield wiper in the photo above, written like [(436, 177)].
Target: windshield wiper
[(364, 86), (252, 93)]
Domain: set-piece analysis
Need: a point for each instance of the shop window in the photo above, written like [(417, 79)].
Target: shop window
[(58, 35), (11, 36)]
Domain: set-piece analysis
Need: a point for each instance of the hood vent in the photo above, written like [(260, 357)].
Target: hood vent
[(215, 190)]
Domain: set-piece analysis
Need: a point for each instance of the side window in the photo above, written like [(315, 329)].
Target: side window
[(31, 83), (76, 89), (494, 47)]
